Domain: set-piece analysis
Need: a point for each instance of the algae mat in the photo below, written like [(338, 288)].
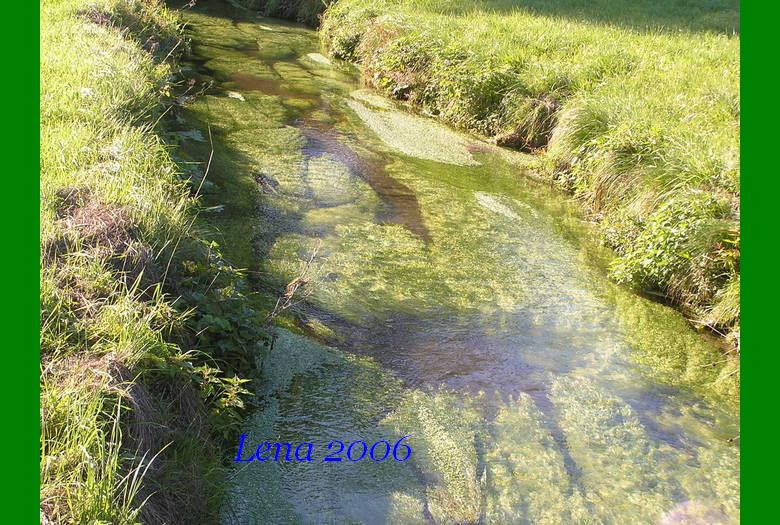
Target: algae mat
[(454, 301)]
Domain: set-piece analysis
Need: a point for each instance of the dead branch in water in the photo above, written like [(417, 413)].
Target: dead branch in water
[(291, 295)]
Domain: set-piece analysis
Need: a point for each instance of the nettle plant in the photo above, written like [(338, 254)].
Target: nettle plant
[(225, 324), (226, 333), (688, 244)]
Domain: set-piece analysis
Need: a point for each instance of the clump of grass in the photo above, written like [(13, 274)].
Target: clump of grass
[(633, 107), (131, 416)]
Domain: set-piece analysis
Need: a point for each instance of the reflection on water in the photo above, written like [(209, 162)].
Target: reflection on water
[(465, 305)]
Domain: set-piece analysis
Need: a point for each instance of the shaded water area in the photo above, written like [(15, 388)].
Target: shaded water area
[(454, 300)]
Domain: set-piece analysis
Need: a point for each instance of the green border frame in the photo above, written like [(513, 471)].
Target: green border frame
[(758, 493), (21, 362), (21, 349)]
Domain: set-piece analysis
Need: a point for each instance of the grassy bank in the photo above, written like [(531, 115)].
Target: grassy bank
[(632, 107), (305, 11), (144, 326)]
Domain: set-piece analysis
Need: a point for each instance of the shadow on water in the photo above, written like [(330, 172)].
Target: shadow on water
[(268, 86), (455, 347), (403, 207)]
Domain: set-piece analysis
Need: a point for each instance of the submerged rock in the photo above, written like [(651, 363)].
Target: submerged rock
[(319, 58), (693, 512)]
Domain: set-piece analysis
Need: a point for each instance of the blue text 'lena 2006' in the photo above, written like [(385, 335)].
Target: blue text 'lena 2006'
[(338, 451)]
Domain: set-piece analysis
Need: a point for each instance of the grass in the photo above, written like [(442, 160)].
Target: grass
[(631, 107), (139, 379), (304, 11)]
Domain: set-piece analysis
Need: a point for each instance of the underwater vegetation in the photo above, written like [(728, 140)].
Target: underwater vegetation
[(633, 108), (460, 304)]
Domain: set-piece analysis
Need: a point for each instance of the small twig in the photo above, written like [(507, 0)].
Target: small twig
[(733, 372), (287, 299), (178, 41)]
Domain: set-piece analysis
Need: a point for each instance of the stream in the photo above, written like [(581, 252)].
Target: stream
[(452, 299)]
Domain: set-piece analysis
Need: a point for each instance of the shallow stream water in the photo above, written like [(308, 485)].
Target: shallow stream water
[(453, 299)]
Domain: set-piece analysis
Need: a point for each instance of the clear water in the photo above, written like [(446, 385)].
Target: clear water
[(453, 299)]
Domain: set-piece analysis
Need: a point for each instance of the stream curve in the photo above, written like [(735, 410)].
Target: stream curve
[(454, 300)]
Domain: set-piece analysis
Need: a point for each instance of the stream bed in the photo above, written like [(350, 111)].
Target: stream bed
[(452, 299)]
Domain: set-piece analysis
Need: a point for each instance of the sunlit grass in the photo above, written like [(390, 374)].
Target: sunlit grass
[(111, 201), (630, 105)]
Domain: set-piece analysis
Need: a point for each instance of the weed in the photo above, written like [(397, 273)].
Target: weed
[(131, 417)]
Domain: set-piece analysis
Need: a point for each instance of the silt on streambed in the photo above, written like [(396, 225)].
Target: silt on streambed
[(463, 304)]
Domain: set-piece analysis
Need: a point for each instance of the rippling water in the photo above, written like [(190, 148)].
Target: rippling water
[(455, 300)]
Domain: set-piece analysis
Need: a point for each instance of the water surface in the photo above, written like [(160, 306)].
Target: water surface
[(455, 300)]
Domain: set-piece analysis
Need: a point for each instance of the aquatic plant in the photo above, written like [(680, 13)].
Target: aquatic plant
[(624, 119)]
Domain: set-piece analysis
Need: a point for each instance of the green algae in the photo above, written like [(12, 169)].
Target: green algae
[(351, 395), (402, 131), (690, 361), (604, 435), (647, 478), (527, 478), (451, 277), (372, 99), (257, 495), (446, 428)]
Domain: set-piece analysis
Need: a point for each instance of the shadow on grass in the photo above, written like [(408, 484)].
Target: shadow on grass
[(716, 16)]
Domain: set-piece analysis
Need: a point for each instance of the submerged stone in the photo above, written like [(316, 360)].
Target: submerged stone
[(318, 58)]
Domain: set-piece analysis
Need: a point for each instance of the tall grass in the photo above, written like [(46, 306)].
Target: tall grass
[(633, 107), (131, 417), (304, 11)]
